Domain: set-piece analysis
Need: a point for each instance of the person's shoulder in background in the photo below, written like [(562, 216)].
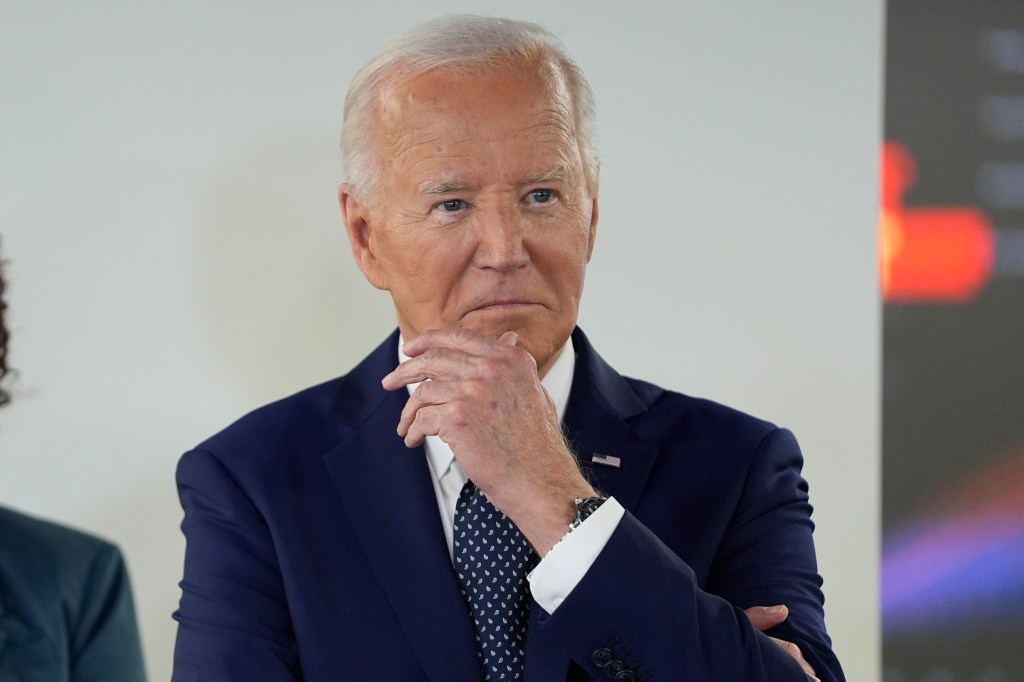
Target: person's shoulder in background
[(66, 607)]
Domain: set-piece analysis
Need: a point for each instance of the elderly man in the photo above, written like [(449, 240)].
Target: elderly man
[(382, 525)]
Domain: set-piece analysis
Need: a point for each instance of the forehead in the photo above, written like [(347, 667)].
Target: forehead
[(513, 115)]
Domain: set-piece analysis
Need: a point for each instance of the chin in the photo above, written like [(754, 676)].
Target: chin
[(494, 329), (538, 334)]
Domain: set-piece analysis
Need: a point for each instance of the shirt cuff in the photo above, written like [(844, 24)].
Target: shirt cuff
[(560, 571)]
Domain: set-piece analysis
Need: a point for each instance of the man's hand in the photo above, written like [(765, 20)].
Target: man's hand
[(484, 399), (767, 617)]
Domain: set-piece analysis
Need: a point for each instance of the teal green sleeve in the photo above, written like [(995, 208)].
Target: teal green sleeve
[(104, 637)]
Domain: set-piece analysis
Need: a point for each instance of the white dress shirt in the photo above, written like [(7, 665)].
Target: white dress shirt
[(558, 573)]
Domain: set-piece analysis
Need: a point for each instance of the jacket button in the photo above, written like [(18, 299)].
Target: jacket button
[(625, 676), (602, 657), (612, 669)]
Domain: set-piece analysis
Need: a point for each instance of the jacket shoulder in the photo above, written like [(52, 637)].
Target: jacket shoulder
[(313, 418), (36, 540), (45, 559), (275, 420), (697, 412)]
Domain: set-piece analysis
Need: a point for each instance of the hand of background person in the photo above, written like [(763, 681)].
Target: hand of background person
[(485, 400)]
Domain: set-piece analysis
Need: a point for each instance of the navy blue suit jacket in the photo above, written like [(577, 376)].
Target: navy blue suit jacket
[(315, 549)]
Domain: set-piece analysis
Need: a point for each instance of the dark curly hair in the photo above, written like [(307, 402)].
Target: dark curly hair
[(5, 397)]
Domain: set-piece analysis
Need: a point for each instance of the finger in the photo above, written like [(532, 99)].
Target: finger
[(427, 422), (436, 363), (794, 651), (766, 617), (467, 340), (509, 338), (427, 393)]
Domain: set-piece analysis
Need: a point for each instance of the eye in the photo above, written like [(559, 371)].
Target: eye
[(452, 205), (542, 196)]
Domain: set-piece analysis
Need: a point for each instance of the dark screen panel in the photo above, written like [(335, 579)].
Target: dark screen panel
[(953, 390)]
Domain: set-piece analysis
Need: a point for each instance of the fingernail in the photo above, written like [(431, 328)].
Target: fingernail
[(774, 610)]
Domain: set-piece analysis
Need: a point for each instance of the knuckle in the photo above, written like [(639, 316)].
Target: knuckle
[(430, 355), (522, 358), (423, 391), (491, 369), (423, 416), (464, 335), (474, 389), (459, 413)]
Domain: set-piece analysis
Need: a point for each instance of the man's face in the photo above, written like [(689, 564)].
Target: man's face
[(482, 218)]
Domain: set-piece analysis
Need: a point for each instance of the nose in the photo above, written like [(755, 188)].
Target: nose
[(500, 244)]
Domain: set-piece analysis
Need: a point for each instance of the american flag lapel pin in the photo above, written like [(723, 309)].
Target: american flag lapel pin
[(607, 460)]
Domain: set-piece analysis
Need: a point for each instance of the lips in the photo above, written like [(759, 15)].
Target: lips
[(501, 305)]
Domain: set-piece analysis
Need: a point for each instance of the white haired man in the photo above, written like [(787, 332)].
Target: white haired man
[(383, 525)]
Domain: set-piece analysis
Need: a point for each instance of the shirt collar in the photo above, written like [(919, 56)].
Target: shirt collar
[(557, 382)]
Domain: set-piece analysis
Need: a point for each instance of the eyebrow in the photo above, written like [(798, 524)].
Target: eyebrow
[(553, 176), (432, 187), (436, 187)]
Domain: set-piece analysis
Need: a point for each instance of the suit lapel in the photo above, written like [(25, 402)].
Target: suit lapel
[(387, 492), (597, 425)]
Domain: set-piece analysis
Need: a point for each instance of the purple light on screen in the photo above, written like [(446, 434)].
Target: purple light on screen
[(954, 577), (963, 561)]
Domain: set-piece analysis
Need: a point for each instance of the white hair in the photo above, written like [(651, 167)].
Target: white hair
[(461, 41)]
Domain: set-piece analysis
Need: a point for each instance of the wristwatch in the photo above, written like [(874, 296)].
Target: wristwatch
[(585, 506)]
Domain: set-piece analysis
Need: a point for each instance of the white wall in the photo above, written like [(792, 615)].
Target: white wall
[(176, 256)]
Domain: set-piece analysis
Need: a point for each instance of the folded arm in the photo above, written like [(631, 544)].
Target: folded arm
[(642, 603)]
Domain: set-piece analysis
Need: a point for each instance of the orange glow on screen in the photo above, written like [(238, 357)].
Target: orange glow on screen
[(929, 253)]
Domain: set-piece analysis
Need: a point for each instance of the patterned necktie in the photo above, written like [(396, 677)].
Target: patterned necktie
[(492, 559)]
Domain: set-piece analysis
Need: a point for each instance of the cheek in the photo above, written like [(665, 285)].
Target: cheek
[(578, 242), (424, 271), (563, 262)]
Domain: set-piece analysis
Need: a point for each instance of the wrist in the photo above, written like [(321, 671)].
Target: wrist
[(545, 519)]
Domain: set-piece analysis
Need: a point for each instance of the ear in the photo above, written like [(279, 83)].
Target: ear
[(593, 229), (358, 224)]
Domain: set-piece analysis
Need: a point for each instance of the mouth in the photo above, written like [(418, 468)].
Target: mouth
[(502, 306)]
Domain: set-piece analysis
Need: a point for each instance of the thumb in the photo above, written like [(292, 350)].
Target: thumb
[(765, 617)]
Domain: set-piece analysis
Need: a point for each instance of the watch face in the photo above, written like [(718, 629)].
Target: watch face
[(588, 507)]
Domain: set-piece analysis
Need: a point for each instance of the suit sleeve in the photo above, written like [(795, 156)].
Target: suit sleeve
[(233, 619), (640, 609), (104, 636)]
